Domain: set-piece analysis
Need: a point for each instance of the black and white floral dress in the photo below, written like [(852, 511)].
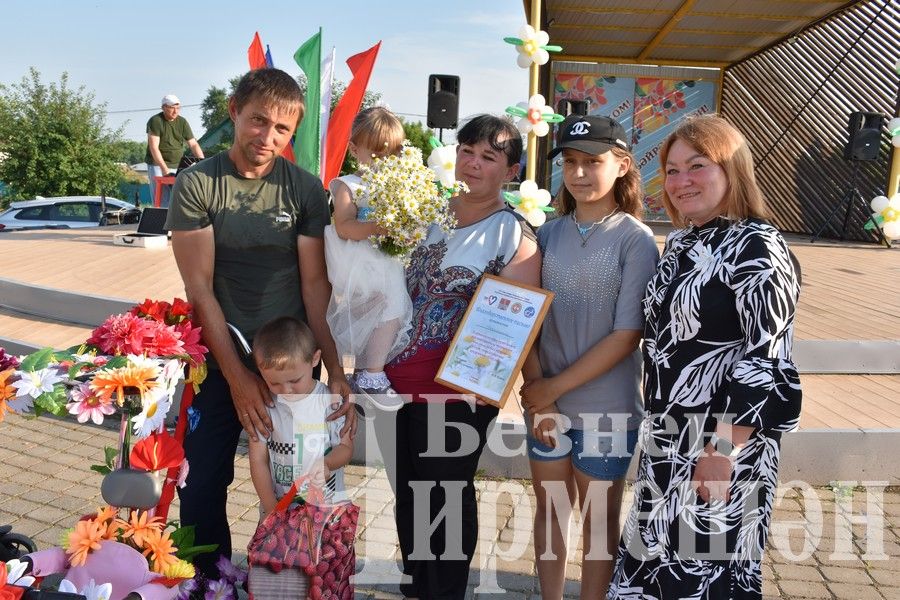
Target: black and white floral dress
[(717, 346)]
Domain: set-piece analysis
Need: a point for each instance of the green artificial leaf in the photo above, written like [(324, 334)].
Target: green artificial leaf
[(116, 362), (110, 455), (37, 360), (102, 469), (550, 48), (513, 40), (183, 538), (193, 551), (53, 402)]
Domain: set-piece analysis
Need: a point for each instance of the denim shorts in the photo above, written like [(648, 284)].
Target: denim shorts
[(596, 460)]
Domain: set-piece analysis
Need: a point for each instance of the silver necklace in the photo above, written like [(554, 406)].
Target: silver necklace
[(586, 231)]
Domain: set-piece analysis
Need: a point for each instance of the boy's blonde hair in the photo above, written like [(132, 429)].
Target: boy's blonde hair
[(282, 342), (379, 130)]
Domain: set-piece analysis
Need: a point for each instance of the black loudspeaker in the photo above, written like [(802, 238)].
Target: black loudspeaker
[(864, 140), (572, 107), (443, 101)]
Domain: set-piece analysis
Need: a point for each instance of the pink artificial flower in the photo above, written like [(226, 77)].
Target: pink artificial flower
[(164, 340), (182, 474), (121, 334), (190, 338), (87, 405)]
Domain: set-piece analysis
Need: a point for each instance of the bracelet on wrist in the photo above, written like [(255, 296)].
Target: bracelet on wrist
[(722, 446)]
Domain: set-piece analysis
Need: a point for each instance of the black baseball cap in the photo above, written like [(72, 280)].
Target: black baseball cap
[(589, 133)]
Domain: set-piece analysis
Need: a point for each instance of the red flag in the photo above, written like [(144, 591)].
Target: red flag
[(343, 114), (255, 53)]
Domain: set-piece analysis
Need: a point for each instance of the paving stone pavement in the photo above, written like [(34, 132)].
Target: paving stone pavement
[(835, 543)]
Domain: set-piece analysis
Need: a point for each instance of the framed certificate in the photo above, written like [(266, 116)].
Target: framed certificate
[(494, 338)]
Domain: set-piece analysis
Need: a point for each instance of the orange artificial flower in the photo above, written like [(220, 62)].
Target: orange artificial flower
[(114, 381), (160, 550), (83, 539), (141, 526), (106, 513), (115, 528), (7, 391)]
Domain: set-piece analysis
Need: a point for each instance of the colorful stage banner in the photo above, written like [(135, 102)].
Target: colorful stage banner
[(647, 107)]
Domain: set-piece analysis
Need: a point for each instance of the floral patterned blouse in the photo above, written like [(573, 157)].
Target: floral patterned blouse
[(717, 347)]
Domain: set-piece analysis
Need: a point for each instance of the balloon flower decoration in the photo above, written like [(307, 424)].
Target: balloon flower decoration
[(534, 116), (886, 215), (531, 202), (442, 161), (894, 128), (533, 46)]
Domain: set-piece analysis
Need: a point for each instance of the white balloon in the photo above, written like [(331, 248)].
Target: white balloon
[(894, 125), (879, 203), (892, 230), (896, 141)]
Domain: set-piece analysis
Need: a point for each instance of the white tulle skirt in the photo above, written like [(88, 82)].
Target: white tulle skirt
[(370, 310)]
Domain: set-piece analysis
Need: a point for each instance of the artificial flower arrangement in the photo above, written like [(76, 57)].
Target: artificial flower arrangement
[(141, 353), (109, 557), (405, 200)]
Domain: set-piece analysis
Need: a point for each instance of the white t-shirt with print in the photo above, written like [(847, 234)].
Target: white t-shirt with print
[(301, 437)]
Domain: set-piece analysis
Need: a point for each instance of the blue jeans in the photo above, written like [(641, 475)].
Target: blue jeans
[(597, 459), (153, 172)]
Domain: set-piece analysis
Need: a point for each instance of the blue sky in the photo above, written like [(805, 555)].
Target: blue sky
[(130, 54)]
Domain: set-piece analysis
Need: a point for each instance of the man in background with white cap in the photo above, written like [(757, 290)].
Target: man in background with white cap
[(167, 133)]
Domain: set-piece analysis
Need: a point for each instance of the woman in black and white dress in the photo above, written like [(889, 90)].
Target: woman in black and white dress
[(720, 386)]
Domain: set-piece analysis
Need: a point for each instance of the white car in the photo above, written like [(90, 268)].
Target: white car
[(66, 212)]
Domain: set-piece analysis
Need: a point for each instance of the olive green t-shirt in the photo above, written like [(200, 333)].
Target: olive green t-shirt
[(256, 224), (172, 136)]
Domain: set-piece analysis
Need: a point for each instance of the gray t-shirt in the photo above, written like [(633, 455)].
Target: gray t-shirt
[(599, 288), (256, 223)]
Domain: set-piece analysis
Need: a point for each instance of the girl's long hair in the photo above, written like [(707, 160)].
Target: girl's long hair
[(627, 190)]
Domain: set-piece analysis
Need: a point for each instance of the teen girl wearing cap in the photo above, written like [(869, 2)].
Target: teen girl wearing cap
[(598, 258)]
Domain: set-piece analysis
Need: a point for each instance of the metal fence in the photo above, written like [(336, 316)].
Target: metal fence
[(793, 102)]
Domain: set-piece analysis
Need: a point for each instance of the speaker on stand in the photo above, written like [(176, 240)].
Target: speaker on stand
[(863, 145), (443, 102), (567, 107)]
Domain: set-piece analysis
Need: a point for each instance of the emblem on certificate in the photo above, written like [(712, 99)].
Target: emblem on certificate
[(493, 339)]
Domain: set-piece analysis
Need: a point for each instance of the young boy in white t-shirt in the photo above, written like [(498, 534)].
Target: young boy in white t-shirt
[(302, 441)]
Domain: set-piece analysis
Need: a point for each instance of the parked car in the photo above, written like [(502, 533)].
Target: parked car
[(66, 212)]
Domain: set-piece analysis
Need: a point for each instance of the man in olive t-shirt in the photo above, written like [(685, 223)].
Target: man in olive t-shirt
[(247, 233), (167, 133)]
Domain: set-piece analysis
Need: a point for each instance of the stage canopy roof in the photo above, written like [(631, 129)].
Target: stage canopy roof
[(709, 33)]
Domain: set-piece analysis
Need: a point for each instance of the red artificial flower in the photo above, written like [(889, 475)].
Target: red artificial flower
[(179, 311), (152, 309), (157, 451)]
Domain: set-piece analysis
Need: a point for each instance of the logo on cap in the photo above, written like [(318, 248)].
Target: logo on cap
[(580, 128)]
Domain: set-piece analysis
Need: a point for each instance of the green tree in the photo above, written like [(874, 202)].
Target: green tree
[(214, 108), (54, 140), (419, 137), (129, 151)]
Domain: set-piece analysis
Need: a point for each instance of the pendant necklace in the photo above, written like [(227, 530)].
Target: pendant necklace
[(586, 231)]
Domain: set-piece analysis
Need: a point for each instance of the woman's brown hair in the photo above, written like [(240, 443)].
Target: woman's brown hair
[(719, 141)]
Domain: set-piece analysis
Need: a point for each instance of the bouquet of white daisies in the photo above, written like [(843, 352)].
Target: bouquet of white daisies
[(405, 200)]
